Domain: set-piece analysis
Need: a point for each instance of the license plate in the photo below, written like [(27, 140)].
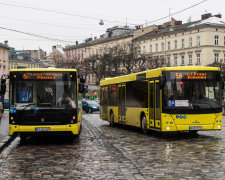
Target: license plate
[(42, 129), (194, 128)]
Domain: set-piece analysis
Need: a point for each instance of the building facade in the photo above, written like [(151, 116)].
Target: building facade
[(36, 54), (93, 48), (197, 43), (20, 60), (4, 64), (56, 56)]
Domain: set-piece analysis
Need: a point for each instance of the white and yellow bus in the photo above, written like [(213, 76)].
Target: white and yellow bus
[(164, 99), (44, 101)]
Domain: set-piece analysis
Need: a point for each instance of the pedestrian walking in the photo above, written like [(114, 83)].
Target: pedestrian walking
[(1, 109)]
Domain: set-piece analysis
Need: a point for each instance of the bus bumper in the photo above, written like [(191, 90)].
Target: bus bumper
[(53, 129), (201, 127)]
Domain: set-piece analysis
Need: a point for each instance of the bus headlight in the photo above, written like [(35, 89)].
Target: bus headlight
[(167, 128), (219, 126)]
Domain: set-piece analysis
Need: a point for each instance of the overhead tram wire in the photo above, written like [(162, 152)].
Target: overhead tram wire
[(49, 24), (177, 12), (94, 18), (36, 35), (61, 12)]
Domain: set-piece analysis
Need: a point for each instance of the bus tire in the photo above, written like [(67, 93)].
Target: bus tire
[(22, 137), (111, 119), (144, 125)]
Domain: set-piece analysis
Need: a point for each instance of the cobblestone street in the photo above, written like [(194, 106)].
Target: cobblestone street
[(105, 152)]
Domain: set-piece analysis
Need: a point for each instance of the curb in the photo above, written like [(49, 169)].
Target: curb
[(6, 141)]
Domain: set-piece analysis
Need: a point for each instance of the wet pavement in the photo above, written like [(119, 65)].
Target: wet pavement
[(104, 152), (4, 125)]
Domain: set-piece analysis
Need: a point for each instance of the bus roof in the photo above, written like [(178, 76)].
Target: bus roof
[(42, 69), (154, 73)]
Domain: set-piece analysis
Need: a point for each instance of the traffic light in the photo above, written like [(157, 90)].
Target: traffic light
[(3, 86)]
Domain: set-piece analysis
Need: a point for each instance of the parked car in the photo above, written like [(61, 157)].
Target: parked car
[(90, 106), (6, 104)]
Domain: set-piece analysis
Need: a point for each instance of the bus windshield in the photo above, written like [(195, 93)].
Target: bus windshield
[(57, 93), (193, 92)]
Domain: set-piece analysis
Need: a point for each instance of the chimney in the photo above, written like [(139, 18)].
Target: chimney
[(95, 37), (206, 16), (101, 36), (218, 15), (76, 42), (6, 42)]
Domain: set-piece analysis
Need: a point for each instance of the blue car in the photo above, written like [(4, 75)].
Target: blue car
[(90, 106)]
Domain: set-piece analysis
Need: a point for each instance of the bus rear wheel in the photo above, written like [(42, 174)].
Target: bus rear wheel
[(144, 125), (111, 119)]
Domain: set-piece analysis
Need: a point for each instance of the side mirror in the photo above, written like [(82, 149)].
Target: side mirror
[(81, 88), (162, 82)]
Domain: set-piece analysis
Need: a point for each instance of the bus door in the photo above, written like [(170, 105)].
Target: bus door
[(154, 104), (121, 106)]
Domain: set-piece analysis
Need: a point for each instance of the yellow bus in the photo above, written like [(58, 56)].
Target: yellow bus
[(164, 99), (44, 101)]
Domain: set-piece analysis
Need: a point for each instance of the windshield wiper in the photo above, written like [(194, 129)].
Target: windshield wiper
[(27, 105)]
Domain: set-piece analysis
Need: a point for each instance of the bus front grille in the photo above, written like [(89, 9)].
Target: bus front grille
[(44, 119)]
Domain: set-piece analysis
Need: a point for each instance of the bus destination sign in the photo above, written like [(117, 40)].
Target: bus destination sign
[(41, 75), (191, 75)]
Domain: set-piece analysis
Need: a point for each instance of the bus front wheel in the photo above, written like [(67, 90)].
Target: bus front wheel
[(144, 124)]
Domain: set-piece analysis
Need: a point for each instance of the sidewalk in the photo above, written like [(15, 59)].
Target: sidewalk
[(4, 126), (4, 130)]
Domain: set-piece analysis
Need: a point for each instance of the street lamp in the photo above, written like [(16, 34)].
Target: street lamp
[(101, 22)]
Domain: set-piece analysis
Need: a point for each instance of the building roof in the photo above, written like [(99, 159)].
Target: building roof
[(4, 46), (214, 21), (210, 21), (96, 41), (60, 49)]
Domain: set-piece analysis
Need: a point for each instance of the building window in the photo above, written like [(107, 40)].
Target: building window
[(175, 44), (3, 69), (162, 47), (156, 47), (216, 40), (168, 46), (182, 60), (168, 61), (224, 58), (182, 43), (198, 58), (190, 59), (198, 40), (143, 49), (150, 49), (216, 57), (190, 42), (175, 61)]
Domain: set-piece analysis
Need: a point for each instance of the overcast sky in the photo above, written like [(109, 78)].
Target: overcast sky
[(79, 20)]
